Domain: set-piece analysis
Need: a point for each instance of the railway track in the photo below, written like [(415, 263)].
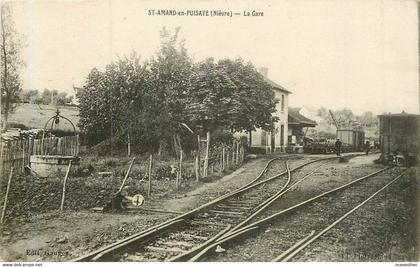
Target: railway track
[(315, 227), (182, 237)]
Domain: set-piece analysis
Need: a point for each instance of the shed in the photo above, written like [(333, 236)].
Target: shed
[(297, 122)]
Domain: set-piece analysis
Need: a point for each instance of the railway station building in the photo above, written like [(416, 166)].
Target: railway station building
[(298, 126), (273, 141)]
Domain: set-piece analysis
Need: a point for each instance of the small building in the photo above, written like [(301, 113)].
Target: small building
[(298, 125), (275, 140)]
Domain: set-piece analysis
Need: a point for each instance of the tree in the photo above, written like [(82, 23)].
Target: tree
[(230, 95), (368, 119), (30, 96), (344, 117), (255, 101), (171, 70), (118, 102), (61, 98), (152, 102), (10, 45), (46, 97), (210, 96)]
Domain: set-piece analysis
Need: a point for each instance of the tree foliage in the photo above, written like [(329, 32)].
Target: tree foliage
[(117, 101), (231, 95), (254, 98), (10, 45), (346, 119), (47, 97), (170, 69), (156, 101)]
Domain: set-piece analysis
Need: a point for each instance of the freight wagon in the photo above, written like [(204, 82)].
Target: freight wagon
[(354, 140), (399, 138)]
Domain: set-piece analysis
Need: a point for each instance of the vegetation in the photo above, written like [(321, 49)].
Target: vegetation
[(47, 97), (346, 118), (163, 103), (10, 45)]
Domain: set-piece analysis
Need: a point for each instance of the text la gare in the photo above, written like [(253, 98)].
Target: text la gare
[(253, 13)]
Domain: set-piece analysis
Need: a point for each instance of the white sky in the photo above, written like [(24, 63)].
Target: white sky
[(359, 54)]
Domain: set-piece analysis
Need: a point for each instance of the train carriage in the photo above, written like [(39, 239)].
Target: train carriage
[(399, 137)]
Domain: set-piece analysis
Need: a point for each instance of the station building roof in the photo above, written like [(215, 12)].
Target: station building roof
[(277, 86), (295, 118)]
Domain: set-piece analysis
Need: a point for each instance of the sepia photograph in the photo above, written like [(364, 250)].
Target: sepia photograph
[(216, 131)]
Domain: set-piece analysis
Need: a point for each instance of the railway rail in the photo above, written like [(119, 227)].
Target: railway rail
[(182, 237), (287, 255)]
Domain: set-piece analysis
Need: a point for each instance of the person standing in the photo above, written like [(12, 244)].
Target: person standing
[(338, 147), (367, 147)]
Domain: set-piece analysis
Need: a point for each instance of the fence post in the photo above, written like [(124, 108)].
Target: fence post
[(128, 145), (64, 186), (3, 212), (198, 158), (237, 152), (197, 167), (227, 158), (221, 163), (223, 159), (242, 152), (233, 154), (206, 162), (77, 145), (1, 158), (180, 165), (149, 186), (23, 155)]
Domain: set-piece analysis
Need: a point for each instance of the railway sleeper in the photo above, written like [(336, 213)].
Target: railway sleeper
[(241, 208), (175, 243), (164, 249), (244, 203), (203, 223), (227, 212), (190, 237), (234, 205), (227, 215)]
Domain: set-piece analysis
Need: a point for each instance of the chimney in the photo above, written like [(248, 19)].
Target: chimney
[(263, 71)]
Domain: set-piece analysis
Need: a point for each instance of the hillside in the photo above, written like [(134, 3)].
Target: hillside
[(35, 116)]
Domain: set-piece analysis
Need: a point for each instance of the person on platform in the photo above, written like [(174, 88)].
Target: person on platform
[(338, 147), (367, 147)]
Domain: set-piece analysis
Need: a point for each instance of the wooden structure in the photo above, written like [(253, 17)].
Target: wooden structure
[(44, 155), (353, 139), (17, 153), (297, 122), (399, 136)]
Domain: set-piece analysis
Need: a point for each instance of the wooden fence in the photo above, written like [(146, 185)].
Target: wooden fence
[(219, 159), (16, 153)]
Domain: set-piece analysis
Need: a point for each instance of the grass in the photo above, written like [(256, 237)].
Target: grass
[(35, 116)]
